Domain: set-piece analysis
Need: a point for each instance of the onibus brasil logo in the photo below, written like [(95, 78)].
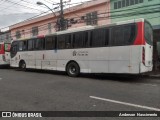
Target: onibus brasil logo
[(20, 114)]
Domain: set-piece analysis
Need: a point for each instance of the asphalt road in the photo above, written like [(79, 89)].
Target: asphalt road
[(53, 91)]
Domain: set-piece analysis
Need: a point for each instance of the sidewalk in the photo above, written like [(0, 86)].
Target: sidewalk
[(154, 74)]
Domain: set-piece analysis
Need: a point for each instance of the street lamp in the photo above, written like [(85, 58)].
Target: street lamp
[(40, 3), (61, 20)]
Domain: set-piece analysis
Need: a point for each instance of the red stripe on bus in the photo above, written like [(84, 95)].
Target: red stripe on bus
[(140, 34)]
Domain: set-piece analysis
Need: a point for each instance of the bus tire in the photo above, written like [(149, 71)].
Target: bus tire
[(73, 69), (22, 65)]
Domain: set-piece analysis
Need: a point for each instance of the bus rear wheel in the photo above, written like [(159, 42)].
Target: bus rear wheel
[(73, 69), (22, 65)]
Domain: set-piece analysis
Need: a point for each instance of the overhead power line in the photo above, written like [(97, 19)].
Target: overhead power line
[(23, 5), (48, 1), (10, 6), (115, 11)]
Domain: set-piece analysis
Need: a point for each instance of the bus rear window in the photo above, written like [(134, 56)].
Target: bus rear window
[(148, 33)]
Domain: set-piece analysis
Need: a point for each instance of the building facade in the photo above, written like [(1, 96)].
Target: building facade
[(88, 13), (5, 36), (132, 9)]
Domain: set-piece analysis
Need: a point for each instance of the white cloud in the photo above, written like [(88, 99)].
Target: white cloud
[(14, 11)]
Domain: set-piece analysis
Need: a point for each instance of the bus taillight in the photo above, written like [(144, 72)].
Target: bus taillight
[(143, 55)]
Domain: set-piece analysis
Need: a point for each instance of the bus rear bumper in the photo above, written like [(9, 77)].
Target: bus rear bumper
[(144, 69)]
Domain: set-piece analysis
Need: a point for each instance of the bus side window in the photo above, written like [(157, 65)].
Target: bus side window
[(80, 40), (123, 35), (129, 34), (107, 36), (76, 41), (24, 45), (64, 41), (99, 37), (20, 46), (30, 44), (50, 43), (61, 41), (14, 49), (39, 44), (86, 39), (117, 36), (68, 41)]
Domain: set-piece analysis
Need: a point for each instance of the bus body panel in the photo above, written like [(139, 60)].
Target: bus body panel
[(119, 59), (50, 60), (30, 59), (148, 55), (39, 58), (14, 62), (135, 59), (99, 60)]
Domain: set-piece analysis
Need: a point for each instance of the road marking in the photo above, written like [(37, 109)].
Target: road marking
[(125, 103), (151, 85)]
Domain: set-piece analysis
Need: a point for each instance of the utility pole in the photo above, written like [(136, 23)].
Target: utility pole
[(62, 21)]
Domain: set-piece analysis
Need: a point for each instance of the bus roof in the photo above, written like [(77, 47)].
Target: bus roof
[(76, 29), (130, 21), (51, 34), (25, 38)]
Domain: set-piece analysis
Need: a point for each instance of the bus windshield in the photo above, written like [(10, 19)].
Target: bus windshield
[(148, 33)]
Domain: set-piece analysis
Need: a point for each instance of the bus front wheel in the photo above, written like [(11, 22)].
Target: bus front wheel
[(73, 69), (22, 65)]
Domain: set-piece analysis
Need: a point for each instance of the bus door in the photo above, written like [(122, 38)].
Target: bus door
[(50, 57)]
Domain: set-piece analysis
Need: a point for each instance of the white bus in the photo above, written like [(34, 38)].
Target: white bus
[(4, 54), (121, 48)]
